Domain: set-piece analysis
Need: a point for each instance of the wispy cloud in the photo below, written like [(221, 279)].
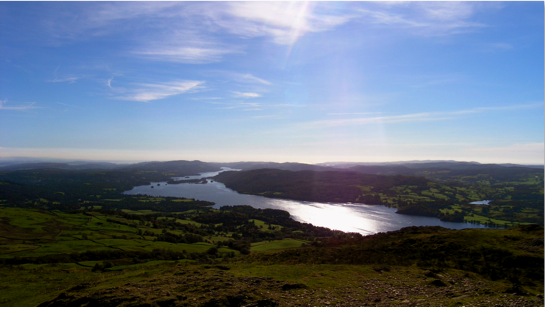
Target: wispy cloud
[(412, 117), (283, 22), (246, 94), (244, 85), (246, 78), (276, 110), (432, 80), (496, 46), (244, 106), (63, 78), (150, 92), (80, 21), (66, 79), (190, 32), (354, 113), (28, 106), (160, 31), (108, 82), (185, 54), (186, 46), (439, 18)]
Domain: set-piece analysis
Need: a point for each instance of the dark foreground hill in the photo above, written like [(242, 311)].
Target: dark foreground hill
[(412, 267)]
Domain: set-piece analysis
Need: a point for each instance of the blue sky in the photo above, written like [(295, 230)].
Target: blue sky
[(273, 81)]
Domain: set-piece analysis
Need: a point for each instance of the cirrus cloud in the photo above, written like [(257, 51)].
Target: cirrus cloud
[(425, 18), (414, 117), (283, 22), (28, 106), (247, 95), (156, 91)]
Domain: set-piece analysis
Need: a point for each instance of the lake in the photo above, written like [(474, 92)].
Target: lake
[(483, 202), (348, 217)]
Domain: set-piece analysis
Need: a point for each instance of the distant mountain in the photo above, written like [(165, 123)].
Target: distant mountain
[(347, 164), (430, 169), (449, 164), (174, 168), (12, 166), (442, 169), (177, 167)]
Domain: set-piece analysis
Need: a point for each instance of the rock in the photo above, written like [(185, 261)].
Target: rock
[(292, 286), (438, 283), (266, 303)]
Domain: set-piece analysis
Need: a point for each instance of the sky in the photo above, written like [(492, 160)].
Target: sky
[(273, 81)]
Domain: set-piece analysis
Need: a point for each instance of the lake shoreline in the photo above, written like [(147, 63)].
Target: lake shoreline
[(347, 217)]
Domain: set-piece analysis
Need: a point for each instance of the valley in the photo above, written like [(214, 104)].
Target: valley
[(70, 237)]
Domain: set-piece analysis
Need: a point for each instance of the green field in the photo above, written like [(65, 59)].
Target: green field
[(34, 233)]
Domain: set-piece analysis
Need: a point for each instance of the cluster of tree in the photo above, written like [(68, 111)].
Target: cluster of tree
[(322, 186), (456, 216), (241, 245), (165, 204), (110, 258), (98, 255), (67, 187), (240, 217), (179, 238)]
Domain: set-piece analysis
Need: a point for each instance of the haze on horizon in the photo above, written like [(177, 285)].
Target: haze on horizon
[(273, 81)]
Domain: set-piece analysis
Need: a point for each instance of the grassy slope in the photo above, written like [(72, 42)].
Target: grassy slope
[(254, 284), (411, 267), (257, 284)]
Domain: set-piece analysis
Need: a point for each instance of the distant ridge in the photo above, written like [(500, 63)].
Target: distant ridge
[(58, 165), (394, 167), (424, 164)]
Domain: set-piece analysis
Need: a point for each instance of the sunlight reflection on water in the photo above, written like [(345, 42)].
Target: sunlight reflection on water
[(333, 216), (364, 219)]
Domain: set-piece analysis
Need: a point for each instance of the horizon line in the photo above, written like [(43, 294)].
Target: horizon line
[(130, 162)]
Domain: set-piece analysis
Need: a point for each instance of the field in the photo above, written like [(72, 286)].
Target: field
[(28, 233)]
